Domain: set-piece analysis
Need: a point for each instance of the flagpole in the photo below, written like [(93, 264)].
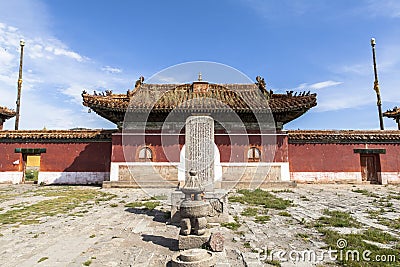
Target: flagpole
[(376, 86)]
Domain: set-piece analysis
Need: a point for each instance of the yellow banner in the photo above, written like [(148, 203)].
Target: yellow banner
[(33, 161)]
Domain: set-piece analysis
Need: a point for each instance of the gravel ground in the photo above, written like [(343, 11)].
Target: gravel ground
[(107, 233)]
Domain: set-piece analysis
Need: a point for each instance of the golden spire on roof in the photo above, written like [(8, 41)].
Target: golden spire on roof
[(200, 78)]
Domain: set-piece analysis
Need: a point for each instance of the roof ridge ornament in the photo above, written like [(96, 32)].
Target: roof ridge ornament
[(199, 78), (139, 82), (263, 87)]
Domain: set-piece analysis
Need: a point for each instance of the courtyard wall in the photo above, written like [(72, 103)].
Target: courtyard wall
[(335, 156), (66, 157)]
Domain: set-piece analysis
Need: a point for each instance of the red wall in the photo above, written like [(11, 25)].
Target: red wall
[(167, 148), (338, 157), (67, 157)]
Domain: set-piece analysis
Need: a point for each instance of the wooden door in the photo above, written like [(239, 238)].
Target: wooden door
[(369, 168)]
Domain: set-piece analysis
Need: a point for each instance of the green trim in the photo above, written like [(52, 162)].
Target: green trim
[(30, 150), (370, 151)]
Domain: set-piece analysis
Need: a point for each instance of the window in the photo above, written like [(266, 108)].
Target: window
[(254, 154), (145, 154)]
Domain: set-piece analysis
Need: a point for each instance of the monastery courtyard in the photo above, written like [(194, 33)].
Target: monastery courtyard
[(90, 226)]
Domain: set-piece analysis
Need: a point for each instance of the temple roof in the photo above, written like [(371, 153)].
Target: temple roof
[(393, 113), (43, 135), (200, 96), (344, 136), (6, 113)]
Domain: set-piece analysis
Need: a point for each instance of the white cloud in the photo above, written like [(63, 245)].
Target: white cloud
[(318, 85), (386, 8), (111, 69), (54, 74), (70, 54)]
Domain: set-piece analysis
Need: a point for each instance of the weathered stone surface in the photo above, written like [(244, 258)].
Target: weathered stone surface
[(193, 241), (215, 215), (216, 242), (199, 140), (193, 258), (191, 255), (137, 237)]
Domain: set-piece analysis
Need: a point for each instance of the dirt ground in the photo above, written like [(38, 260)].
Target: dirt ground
[(90, 226)]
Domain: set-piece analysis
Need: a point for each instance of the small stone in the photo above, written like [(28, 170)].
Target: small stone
[(216, 242)]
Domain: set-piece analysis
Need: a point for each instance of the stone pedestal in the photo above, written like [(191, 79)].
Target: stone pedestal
[(193, 241), (217, 199), (193, 258)]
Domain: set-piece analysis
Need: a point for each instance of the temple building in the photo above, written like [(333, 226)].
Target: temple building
[(5, 114), (393, 114), (252, 148)]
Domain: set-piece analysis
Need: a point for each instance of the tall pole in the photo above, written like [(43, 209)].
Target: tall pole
[(376, 86), (21, 43)]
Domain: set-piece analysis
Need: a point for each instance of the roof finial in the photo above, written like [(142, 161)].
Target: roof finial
[(200, 78)]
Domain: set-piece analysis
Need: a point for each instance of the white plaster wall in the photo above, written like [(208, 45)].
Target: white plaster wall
[(390, 177), (257, 172), (73, 177), (11, 177), (217, 164), (114, 170), (325, 177), (240, 166)]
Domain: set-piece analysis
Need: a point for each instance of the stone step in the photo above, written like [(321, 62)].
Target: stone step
[(265, 184), (142, 184)]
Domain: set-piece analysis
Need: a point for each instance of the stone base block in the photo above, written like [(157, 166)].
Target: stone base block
[(193, 241), (193, 258)]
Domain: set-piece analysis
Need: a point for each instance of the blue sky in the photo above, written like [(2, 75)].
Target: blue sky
[(317, 45)]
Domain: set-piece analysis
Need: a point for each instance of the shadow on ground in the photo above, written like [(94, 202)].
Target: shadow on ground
[(170, 243), (158, 215)]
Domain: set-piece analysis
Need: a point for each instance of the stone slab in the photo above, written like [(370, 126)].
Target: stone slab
[(193, 241)]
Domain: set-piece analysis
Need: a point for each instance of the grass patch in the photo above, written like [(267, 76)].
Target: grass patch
[(355, 242), (365, 192), (262, 219), (337, 219), (303, 235), (231, 225), (391, 196), (304, 198), (63, 201), (260, 197), (159, 197), (375, 213), (135, 204), (283, 191), (92, 236), (149, 205), (42, 259), (246, 245), (285, 214), (113, 205), (273, 262), (250, 212), (377, 235), (87, 263), (391, 223)]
